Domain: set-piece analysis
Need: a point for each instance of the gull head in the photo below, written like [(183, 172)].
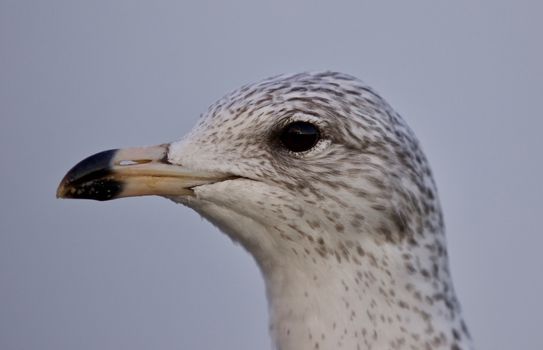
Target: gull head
[(327, 187)]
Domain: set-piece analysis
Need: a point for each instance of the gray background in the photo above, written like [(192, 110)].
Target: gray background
[(79, 77)]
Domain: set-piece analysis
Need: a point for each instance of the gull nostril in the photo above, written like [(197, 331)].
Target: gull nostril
[(133, 162)]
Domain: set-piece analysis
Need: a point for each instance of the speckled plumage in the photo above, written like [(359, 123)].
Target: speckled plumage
[(349, 236)]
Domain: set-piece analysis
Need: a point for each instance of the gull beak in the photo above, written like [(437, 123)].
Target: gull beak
[(132, 172)]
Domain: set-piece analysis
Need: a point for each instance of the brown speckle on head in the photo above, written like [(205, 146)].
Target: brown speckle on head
[(346, 219)]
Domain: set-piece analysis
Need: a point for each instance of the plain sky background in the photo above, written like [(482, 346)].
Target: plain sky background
[(77, 77)]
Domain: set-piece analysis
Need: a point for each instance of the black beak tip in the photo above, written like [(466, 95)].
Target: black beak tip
[(91, 179)]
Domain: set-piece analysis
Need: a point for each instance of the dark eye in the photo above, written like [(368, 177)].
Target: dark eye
[(299, 136)]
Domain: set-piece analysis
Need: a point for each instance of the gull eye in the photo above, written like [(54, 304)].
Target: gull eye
[(299, 136)]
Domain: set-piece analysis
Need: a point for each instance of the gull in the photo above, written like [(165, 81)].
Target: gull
[(325, 185)]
